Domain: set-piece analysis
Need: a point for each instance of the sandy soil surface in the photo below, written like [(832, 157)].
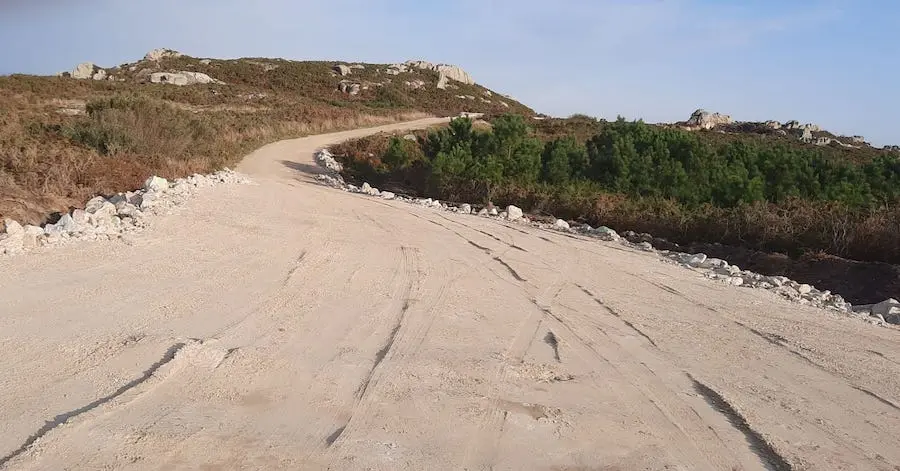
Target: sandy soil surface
[(289, 325)]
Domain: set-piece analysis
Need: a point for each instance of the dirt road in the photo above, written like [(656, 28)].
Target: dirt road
[(289, 325)]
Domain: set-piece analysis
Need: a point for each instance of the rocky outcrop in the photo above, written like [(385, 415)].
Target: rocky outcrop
[(451, 72), (183, 78), (442, 82), (86, 71), (157, 55), (349, 87), (702, 119), (454, 72)]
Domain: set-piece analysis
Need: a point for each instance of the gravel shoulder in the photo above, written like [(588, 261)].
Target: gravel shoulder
[(289, 325)]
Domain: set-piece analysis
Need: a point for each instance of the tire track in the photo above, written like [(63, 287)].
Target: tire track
[(408, 260), (65, 417), (782, 342), (616, 314), (762, 448), (641, 383)]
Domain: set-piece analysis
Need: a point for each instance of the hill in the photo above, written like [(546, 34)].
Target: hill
[(96, 130)]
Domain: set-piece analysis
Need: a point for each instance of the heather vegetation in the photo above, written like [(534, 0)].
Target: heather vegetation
[(63, 141), (687, 186)]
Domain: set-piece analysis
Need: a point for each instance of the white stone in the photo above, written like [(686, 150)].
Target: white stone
[(804, 289), (777, 280), (388, 195), (483, 212), (696, 260), (605, 233), (493, 212), (735, 281), (67, 224), (33, 236), (155, 183), (465, 208), (326, 159), (889, 309), (646, 246), (714, 263), (13, 228), (513, 213), (561, 225)]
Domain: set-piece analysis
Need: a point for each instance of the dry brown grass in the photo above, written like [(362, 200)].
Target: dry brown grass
[(64, 140), (52, 162)]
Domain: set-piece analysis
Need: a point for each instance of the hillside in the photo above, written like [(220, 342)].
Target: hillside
[(97, 130)]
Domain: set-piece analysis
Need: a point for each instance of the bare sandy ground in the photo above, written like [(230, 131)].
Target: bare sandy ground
[(288, 325)]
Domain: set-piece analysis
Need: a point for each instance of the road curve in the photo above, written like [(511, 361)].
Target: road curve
[(286, 325)]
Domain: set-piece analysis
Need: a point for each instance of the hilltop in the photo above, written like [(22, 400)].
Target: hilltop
[(99, 130)]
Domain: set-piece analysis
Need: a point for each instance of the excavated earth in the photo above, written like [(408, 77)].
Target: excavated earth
[(286, 324)]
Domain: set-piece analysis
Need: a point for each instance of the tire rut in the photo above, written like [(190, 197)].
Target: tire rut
[(65, 417), (782, 342), (616, 314), (770, 458)]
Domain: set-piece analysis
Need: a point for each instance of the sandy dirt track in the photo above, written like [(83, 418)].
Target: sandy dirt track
[(286, 325)]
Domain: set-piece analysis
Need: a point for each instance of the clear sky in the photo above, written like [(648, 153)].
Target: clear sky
[(830, 62)]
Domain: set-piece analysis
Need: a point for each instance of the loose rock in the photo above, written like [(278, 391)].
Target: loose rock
[(513, 213)]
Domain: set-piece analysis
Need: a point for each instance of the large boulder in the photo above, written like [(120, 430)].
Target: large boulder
[(11, 241), (65, 224), (889, 310), (448, 71), (605, 233), (513, 213), (183, 78), (155, 183), (99, 209), (84, 71), (706, 120), (349, 87), (343, 70)]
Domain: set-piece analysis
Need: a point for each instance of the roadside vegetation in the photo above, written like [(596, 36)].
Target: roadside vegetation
[(63, 140), (766, 194)]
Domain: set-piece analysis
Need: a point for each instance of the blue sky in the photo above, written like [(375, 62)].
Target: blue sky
[(831, 62)]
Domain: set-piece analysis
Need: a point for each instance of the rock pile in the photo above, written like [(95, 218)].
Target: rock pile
[(113, 217), (713, 268)]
